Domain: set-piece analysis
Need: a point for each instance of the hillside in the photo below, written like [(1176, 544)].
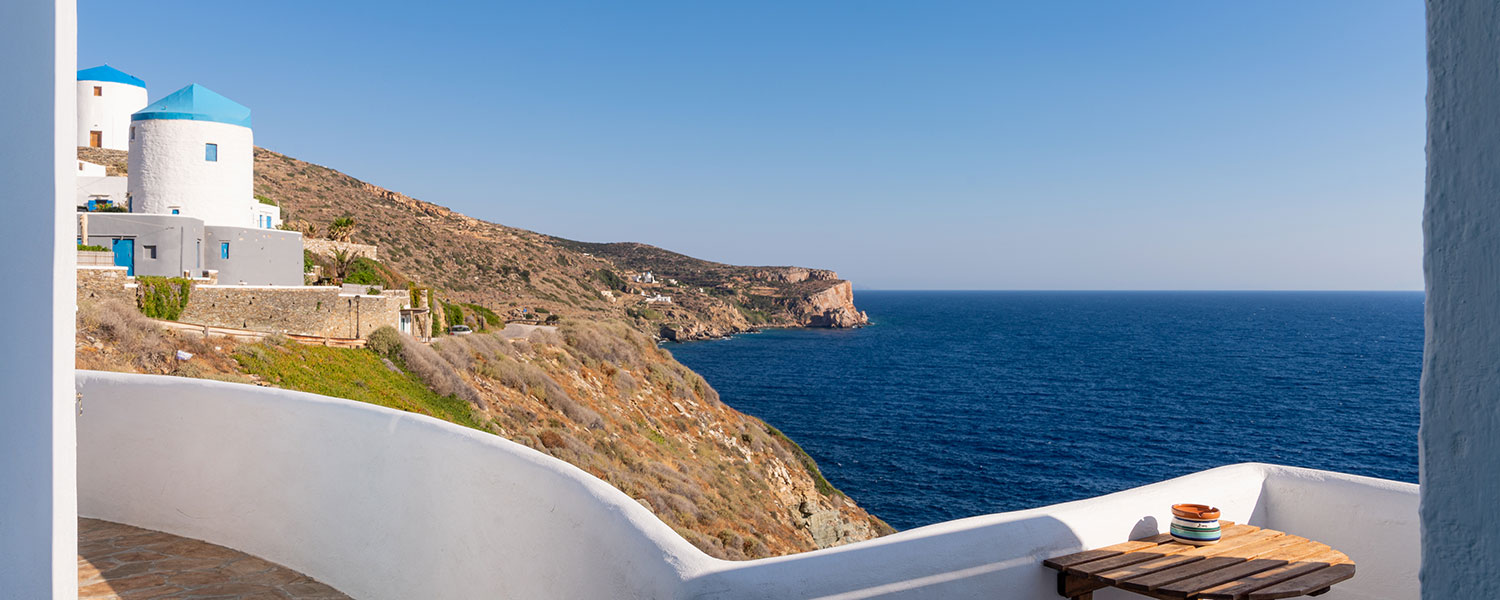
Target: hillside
[(508, 269), (598, 394), (601, 396), (517, 273)]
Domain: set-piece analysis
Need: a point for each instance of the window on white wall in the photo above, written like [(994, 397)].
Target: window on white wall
[(150, 252), (132, 133), (211, 152)]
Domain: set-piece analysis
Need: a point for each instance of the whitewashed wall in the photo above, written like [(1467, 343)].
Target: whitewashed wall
[(167, 169), (113, 188), (109, 113), (1460, 436), (38, 516), (384, 504), (88, 169)]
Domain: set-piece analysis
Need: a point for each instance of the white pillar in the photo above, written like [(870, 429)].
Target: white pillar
[(38, 458), (1460, 437)]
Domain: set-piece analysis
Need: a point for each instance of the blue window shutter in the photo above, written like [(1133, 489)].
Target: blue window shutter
[(224, 250), (211, 152)]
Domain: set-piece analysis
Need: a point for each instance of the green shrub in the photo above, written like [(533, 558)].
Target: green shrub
[(489, 316), (112, 209), (365, 272), (265, 200), (91, 248), (649, 314), (453, 314), (386, 342), (161, 297), (611, 279)]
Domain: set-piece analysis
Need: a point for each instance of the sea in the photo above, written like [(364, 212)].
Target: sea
[(954, 404)]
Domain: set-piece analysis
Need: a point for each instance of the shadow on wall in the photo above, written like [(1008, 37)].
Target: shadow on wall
[(1002, 560)]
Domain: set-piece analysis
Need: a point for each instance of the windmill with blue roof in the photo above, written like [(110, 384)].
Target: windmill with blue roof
[(106, 98), (192, 153)]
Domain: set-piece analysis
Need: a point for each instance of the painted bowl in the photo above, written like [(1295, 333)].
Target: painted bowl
[(1196, 524)]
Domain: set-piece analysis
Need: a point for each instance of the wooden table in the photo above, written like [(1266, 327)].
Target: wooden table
[(1248, 563)]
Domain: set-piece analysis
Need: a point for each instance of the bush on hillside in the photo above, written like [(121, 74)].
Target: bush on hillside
[(433, 370), (386, 342), (121, 325), (161, 297)]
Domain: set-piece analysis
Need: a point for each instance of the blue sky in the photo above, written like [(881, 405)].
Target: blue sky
[(908, 145)]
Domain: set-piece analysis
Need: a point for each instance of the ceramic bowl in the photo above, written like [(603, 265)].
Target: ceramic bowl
[(1196, 524)]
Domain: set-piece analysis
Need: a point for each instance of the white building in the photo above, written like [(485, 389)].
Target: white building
[(192, 154), (106, 98)]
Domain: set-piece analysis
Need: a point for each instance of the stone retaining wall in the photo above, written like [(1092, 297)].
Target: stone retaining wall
[(328, 247), (316, 311), (99, 284)]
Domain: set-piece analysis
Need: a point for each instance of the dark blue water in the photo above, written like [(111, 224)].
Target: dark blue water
[(956, 404)]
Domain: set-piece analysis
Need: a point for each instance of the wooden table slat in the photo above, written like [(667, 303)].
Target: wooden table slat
[(1068, 560), (1268, 557), (1063, 562), (1304, 584), (1094, 568), (1249, 563), (1245, 548), (1193, 585), (1177, 554), (1297, 567), (1139, 569), (1149, 583)]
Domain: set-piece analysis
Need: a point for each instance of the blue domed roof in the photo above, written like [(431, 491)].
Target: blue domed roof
[(108, 73), (196, 103)]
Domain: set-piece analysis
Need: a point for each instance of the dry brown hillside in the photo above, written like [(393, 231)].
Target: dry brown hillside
[(601, 396), (508, 269)]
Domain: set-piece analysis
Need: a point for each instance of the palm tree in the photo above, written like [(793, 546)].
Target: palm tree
[(343, 260), (341, 229)]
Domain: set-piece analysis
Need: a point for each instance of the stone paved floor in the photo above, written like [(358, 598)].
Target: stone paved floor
[(120, 561)]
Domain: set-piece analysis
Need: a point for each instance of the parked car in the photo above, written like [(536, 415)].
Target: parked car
[(460, 330)]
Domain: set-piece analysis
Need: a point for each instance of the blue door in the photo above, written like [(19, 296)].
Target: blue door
[(125, 255)]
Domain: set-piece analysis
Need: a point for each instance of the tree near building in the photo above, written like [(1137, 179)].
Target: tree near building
[(341, 229)]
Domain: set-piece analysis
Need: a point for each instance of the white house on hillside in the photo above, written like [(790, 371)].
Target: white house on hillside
[(190, 185), (192, 153)]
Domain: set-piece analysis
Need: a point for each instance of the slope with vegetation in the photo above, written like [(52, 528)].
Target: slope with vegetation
[(602, 396), (598, 393)]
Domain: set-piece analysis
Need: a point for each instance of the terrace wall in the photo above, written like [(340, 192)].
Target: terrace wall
[(383, 504), (316, 311)]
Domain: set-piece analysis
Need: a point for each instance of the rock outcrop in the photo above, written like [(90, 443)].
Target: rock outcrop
[(830, 306)]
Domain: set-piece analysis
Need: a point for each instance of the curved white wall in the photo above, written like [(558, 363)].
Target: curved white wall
[(384, 504), (168, 170), (108, 113), (378, 503)]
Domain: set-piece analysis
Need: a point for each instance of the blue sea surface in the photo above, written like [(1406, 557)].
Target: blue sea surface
[(954, 404)]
